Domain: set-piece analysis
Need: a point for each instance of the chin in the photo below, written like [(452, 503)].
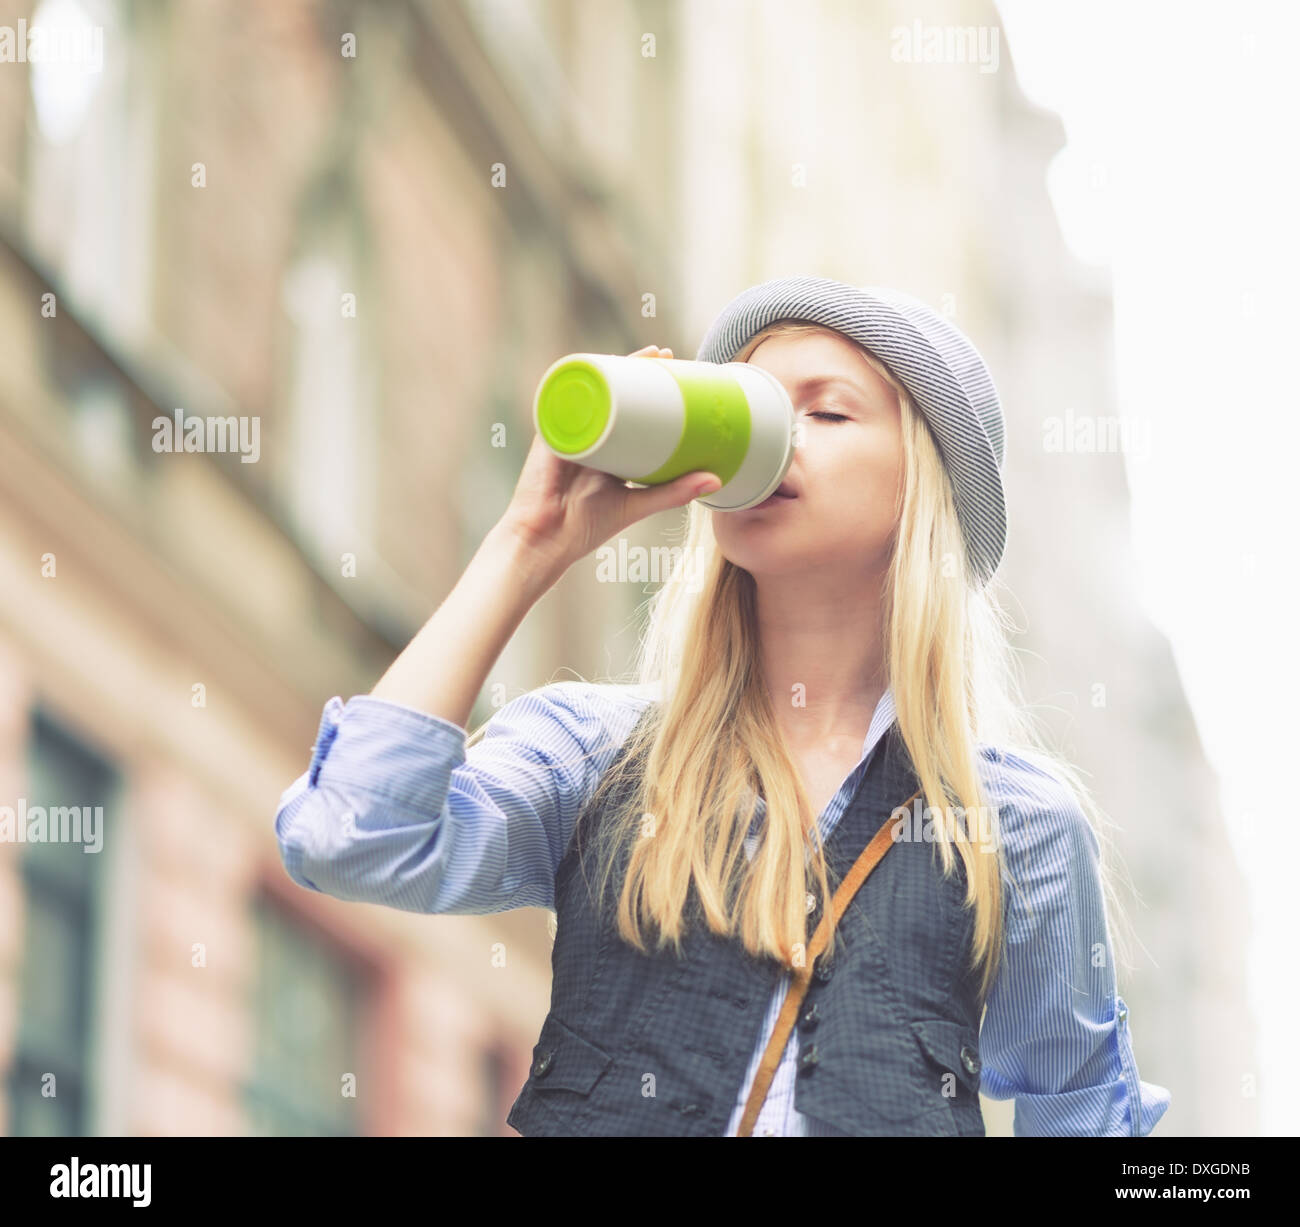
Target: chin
[(789, 557), (759, 562)]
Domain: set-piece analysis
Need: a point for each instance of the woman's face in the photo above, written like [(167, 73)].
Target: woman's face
[(847, 469)]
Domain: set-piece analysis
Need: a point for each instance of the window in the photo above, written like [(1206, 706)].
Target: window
[(87, 206), (64, 886), (329, 482), (89, 184), (307, 1010)]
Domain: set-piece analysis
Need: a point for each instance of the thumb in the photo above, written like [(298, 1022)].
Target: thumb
[(676, 493)]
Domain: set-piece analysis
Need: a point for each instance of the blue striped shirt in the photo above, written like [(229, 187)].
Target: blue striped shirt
[(395, 809)]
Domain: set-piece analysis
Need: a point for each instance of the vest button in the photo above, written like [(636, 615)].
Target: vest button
[(810, 902), (969, 1059), (822, 971), (810, 1017), (808, 1058), (542, 1064)]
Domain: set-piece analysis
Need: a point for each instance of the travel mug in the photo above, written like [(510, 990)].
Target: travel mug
[(649, 420)]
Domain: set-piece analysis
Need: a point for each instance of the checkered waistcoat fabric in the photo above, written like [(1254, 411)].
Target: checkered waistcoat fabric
[(656, 1045)]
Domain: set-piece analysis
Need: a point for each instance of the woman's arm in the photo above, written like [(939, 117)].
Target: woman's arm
[(394, 811), (1056, 1034), (442, 669), (560, 511)]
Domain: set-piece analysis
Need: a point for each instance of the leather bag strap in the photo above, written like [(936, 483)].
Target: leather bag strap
[(802, 976)]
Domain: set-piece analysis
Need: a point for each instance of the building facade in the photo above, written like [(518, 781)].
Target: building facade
[(351, 238)]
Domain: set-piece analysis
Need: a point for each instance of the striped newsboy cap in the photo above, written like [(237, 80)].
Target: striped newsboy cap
[(938, 365)]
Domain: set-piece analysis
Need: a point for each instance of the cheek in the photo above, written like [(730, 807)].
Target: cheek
[(864, 467), (858, 486)]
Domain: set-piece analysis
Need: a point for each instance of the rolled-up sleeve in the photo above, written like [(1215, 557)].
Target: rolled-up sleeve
[(1057, 1036), (395, 809)]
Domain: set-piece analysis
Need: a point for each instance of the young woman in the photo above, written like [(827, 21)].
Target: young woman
[(832, 698)]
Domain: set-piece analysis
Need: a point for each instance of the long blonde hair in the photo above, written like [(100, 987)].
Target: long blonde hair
[(712, 744)]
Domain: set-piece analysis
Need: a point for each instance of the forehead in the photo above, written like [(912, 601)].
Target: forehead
[(821, 355)]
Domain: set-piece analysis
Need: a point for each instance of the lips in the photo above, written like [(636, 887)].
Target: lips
[(783, 493)]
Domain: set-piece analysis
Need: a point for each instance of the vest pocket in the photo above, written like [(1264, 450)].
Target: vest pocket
[(954, 1048), (563, 1060)]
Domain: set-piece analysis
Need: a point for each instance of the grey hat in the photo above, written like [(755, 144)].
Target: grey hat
[(944, 373)]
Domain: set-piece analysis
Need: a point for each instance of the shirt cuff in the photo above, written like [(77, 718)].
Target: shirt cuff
[(1091, 1111), (386, 750), (1127, 1107)]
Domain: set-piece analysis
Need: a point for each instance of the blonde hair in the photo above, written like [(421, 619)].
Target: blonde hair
[(696, 760)]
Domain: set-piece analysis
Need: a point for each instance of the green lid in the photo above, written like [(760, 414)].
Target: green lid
[(573, 406)]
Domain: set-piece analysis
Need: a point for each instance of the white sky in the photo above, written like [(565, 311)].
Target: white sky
[(1190, 111)]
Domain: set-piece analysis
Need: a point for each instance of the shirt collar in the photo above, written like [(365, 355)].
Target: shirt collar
[(884, 716), (881, 720)]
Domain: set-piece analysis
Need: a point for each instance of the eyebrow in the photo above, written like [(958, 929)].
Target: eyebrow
[(814, 382)]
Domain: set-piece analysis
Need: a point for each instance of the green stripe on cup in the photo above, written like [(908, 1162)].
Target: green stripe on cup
[(573, 406), (715, 429)]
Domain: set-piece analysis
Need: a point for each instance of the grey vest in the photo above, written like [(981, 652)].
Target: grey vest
[(657, 1045)]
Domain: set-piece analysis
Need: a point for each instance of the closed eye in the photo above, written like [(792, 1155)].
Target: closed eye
[(838, 417)]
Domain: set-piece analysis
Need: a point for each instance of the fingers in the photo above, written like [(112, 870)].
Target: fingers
[(651, 351), (675, 493)]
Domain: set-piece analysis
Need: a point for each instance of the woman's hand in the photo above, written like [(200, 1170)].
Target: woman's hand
[(565, 510)]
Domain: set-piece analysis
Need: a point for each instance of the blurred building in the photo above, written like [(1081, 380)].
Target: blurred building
[(368, 230), (891, 145), (244, 219)]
